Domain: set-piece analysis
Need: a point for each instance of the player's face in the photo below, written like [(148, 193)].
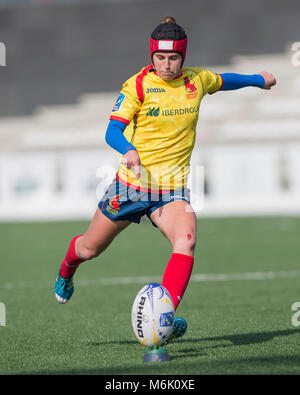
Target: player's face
[(167, 65)]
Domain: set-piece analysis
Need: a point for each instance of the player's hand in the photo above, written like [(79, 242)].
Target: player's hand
[(269, 79), (132, 161)]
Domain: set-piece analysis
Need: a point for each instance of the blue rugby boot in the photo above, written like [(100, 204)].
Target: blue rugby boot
[(64, 289), (179, 329)]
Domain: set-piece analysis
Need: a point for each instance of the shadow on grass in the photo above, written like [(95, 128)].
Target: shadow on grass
[(187, 361), (246, 338), (237, 339)]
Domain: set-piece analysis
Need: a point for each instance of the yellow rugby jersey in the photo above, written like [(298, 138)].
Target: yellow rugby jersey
[(162, 118)]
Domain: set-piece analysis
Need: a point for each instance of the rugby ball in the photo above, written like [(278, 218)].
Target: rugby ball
[(152, 315)]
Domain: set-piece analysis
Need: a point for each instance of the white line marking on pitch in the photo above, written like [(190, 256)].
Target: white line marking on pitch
[(198, 277), (194, 278)]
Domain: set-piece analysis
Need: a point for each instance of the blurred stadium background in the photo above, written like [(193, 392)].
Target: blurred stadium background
[(65, 63)]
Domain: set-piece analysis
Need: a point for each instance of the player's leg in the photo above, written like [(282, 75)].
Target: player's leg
[(177, 221), (99, 235), (97, 238)]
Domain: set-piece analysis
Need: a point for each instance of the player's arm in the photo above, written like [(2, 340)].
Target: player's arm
[(115, 138), (126, 106), (232, 81), (124, 110)]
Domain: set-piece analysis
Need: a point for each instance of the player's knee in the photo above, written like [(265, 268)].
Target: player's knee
[(87, 252), (191, 241), (185, 241)]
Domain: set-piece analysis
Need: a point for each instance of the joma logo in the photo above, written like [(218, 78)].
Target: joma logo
[(155, 90)]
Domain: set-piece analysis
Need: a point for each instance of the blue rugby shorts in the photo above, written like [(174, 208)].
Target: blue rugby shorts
[(121, 202)]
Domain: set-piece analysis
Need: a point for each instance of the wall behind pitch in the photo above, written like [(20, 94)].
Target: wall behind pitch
[(55, 53), (239, 180)]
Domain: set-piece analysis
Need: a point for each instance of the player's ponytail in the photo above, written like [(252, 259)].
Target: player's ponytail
[(168, 19)]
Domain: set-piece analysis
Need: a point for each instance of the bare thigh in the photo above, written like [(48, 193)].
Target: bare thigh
[(99, 235), (177, 221)]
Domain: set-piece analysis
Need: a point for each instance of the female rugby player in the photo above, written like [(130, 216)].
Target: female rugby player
[(153, 126)]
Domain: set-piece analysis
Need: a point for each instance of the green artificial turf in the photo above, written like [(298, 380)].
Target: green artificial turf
[(235, 325)]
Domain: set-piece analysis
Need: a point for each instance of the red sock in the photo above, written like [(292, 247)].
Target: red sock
[(71, 261), (177, 275)]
